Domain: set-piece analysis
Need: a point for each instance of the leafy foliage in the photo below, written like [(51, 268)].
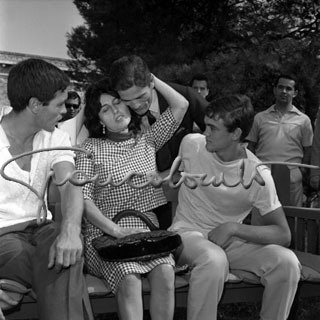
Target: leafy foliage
[(240, 44)]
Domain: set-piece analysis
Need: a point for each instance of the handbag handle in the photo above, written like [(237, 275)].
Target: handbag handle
[(135, 213)]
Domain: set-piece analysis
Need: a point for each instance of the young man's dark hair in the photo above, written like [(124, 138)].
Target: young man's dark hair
[(129, 71), (34, 78), (199, 77), (236, 111)]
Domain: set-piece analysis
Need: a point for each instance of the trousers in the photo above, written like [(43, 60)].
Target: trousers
[(278, 268), (24, 258)]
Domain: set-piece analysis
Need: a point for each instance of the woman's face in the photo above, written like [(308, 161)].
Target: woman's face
[(114, 114)]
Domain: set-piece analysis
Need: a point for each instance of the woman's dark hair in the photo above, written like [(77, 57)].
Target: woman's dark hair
[(236, 111), (93, 106)]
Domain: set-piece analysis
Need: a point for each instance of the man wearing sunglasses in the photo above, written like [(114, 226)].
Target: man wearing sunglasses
[(72, 105), (72, 121)]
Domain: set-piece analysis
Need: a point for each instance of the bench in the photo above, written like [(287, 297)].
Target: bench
[(240, 287)]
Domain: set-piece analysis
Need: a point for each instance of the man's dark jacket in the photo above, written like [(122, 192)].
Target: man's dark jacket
[(195, 114)]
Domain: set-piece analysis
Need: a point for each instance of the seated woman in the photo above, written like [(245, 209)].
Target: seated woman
[(118, 147)]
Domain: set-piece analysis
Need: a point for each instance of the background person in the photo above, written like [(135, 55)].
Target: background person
[(72, 104), (200, 83), (283, 133)]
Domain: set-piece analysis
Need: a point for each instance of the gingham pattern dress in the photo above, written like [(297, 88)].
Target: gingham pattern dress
[(117, 159)]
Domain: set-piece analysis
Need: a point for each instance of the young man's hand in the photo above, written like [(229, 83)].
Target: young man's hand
[(222, 235), (66, 250)]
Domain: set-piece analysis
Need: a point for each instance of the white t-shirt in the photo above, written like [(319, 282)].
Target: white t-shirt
[(206, 207), (17, 203)]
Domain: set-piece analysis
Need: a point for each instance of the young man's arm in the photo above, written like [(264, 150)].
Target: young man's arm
[(274, 229), (67, 248), (177, 102)]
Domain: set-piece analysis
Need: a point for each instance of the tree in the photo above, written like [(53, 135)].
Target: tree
[(241, 44)]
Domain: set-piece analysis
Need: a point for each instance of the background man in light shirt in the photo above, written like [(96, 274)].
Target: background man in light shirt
[(284, 133)]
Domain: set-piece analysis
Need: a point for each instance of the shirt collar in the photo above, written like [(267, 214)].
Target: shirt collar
[(292, 110)]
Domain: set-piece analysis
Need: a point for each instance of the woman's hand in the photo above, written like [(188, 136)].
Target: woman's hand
[(122, 232)]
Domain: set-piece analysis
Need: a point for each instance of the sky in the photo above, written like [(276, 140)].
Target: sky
[(37, 26)]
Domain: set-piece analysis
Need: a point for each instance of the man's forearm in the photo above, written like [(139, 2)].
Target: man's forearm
[(270, 234), (71, 206)]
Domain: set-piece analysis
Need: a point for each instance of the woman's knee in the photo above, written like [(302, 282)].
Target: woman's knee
[(162, 277), (130, 284)]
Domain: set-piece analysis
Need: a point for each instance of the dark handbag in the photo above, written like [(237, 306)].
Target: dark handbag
[(140, 246)]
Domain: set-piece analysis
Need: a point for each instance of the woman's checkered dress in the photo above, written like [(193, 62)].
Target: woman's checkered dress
[(117, 159)]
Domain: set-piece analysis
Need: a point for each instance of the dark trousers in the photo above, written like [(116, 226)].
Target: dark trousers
[(24, 258)]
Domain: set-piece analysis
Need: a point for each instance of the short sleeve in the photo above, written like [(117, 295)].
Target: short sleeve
[(60, 139), (86, 165), (307, 133), (265, 198)]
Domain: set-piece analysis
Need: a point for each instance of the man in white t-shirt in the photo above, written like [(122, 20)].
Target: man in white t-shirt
[(209, 218), (46, 257)]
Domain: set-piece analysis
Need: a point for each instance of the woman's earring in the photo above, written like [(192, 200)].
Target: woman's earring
[(103, 129)]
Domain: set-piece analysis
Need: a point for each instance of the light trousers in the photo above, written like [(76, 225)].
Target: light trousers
[(277, 267), (24, 258)]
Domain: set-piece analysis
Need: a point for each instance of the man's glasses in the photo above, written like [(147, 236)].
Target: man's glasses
[(72, 105)]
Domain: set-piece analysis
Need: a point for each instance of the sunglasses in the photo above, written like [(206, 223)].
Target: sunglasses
[(71, 105)]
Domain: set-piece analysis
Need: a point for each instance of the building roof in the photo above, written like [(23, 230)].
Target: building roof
[(12, 58)]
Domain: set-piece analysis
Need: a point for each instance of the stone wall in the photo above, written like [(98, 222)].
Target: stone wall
[(3, 91)]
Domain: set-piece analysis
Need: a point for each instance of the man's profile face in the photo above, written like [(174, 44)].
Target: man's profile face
[(49, 115), (139, 99), (201, 87), (218, 138)]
